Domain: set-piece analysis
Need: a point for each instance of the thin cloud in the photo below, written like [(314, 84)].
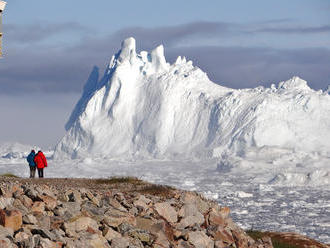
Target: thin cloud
[(66, 69), (296, 30), (40, 31), (277, 21), (171, 35), (240, 67)]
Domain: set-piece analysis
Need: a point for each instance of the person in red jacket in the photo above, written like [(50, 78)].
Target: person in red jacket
[(41, 162)]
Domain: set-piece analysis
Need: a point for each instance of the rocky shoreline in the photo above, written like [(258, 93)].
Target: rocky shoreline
[(118, 212)]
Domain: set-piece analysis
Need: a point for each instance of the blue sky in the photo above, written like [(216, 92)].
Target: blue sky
[(50, 48)]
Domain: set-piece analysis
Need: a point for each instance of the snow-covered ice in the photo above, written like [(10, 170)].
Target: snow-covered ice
[(264, 152), (146, 108)]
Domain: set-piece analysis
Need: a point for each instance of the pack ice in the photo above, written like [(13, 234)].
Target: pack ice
[(145, 108)]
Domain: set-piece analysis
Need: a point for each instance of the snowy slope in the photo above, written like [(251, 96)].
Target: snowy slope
[(143, 107)]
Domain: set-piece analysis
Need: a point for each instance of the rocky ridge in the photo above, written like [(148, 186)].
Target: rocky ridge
[(51, 213)]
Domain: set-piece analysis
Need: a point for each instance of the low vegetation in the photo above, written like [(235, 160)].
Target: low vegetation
[(119, 180), (280, 240), (9, 175), (159, 190)]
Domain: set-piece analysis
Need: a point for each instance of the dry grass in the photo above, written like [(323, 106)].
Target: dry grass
[(277, 243), (286, 240), (9, 175), (158, 190), (119, 180)]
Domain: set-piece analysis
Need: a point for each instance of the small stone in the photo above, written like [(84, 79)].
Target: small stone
[(26, 201), (135, 243), (21, 237), (17, 204), (50, 202), (115, 221), (190, 221), (215, 218), (188, 210), (56, 222), (38, 207), (32, 194), (161, 240), (17, 191), (6, 243), (114, 203), (165, 210), (145, 224), (59, 235), (133, 211), (72, 196), (43, 233), (97, 241), (200, 239), (46, 243), (185, 244), (125, 228), (68, 210), (224, 212), (5, 202), (6, 231), (223, 234), (122, 242), (110, 234), (11, 219), (80, 224), (92, 198), (142, 235), (219, 244), (191, 216), (142, 202), (181, 234), (43, 221), (30, 219), (93, 210)]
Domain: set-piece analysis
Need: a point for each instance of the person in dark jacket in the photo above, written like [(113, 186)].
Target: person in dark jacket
[(41, 163), (32, 164)]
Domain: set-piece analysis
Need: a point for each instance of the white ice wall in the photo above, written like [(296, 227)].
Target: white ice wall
[(144, 107)]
